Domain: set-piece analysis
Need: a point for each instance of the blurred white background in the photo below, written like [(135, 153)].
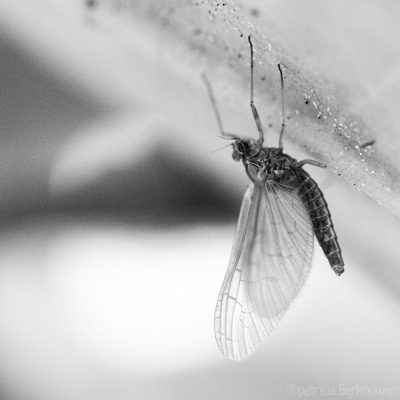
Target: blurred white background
[(118, 218)]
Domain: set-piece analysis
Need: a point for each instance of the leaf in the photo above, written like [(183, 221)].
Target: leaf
[(150, 54), (211, 37)]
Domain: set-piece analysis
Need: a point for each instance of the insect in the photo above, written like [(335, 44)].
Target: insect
[(282, 210)]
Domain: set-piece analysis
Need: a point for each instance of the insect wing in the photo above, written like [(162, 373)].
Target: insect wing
[(270, 261)]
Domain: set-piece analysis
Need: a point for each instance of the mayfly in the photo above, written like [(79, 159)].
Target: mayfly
[(271, 257)]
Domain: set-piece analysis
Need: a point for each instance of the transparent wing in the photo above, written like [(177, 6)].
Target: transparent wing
[(270, 261)]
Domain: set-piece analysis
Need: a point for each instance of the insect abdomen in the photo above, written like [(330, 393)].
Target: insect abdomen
[(322, 222)]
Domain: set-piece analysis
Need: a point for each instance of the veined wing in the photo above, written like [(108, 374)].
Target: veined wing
[(270, 261)]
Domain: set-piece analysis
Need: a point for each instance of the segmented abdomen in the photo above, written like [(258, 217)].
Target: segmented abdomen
[(321, 220)]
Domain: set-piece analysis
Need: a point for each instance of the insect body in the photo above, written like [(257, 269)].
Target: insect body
[(270, 164), (273, 246)]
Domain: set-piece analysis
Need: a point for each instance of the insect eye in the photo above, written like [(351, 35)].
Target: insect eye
[(242, 147)]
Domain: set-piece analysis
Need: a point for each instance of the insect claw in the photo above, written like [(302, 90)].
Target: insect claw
[(367, 144)]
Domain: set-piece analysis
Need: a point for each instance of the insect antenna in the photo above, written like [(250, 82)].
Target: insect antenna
[(223, 147), (252, 106), (280, 146)]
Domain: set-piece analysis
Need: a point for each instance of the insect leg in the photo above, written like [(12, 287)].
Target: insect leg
[(312, 162), (252, 106), (280, 146), (214, 106)]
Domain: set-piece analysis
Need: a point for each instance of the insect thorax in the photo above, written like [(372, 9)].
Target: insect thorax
[(271, 164)]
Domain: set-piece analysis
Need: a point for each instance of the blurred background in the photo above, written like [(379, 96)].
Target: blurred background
[(118, 216)]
